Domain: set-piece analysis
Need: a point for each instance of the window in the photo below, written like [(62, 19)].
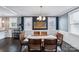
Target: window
[(74, 22)]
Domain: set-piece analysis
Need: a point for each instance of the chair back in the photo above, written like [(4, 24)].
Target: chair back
[(37, 33), (34, 45), (50, 45), (50, 42), (43, 33), (59, 36), (22, 36), (35, 41)]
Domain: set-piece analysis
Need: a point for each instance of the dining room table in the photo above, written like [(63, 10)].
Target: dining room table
[(50, 37)]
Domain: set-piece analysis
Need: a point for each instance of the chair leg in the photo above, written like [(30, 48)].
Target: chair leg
[(41, 49), (56, 49), (28, 48), (21, 48)]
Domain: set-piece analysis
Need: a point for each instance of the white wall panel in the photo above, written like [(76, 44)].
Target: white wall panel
[(28, 25)]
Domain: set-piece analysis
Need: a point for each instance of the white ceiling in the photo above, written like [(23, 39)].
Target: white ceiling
[(35, 10)]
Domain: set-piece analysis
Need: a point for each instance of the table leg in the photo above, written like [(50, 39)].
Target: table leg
[(42, 45)]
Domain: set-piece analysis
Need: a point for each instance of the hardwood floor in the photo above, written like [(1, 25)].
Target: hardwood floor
[(9, 45)]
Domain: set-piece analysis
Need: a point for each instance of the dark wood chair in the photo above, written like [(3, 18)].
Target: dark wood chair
[(36, 33), (50, 45), (43, 33), (34, 45), (22, 38), (59, 39)]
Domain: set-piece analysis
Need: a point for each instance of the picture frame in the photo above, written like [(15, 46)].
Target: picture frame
[(39, 25)]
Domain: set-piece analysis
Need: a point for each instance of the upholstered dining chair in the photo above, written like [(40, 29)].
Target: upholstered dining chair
[(22, 38), (34, 45), (43, 33), (50, 45), (59, 39), (36, 33)]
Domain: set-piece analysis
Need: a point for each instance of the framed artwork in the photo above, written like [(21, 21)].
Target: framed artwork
[(39, 25)]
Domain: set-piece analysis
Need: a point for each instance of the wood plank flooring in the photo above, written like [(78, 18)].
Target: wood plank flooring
[(9, 45)]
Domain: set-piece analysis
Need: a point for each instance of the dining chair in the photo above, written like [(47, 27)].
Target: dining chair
[(36, 33), (34, 45), (50, 45), (22, 38), (43, 33), (59, 39)]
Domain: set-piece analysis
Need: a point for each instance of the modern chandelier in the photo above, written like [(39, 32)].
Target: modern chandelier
[(41, 18)]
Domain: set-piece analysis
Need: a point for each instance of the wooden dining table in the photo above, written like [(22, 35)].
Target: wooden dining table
[(51, 37)]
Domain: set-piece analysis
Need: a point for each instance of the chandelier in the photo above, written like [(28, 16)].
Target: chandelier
[(41, 18)]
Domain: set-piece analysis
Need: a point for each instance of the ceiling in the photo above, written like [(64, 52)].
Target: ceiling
[(35, 10)]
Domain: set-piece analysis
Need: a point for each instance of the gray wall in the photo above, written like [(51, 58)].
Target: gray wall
[(63, 22)]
